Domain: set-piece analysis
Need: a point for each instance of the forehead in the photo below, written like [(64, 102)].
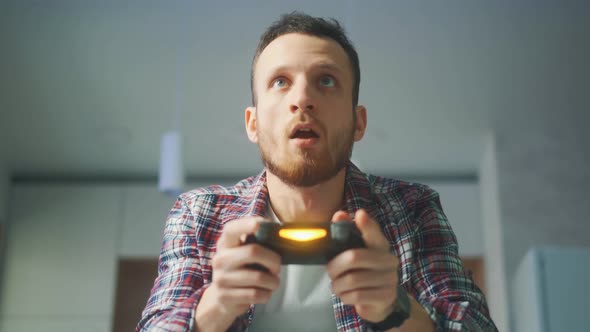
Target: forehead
[(300, 52)]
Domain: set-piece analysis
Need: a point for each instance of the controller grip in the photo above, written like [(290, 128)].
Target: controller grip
[(346, 233), (264, 235)]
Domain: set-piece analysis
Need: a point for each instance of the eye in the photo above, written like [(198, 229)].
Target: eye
[(279, 83), (327, 81)]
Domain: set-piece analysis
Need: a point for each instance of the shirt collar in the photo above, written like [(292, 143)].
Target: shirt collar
[(357, 194), (357, 191)]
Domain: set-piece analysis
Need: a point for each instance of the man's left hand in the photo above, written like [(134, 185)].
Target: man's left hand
[(366, 278)]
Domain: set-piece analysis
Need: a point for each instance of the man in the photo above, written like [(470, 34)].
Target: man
[(305, 117)]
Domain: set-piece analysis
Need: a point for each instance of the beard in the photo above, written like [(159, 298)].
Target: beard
[(309, 167)]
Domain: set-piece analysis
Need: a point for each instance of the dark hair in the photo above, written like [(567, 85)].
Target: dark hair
[(297, 22)]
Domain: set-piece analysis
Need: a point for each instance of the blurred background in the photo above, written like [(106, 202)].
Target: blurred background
[(487, 102)]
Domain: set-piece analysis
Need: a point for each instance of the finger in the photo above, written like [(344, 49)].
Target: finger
[(248, 295), (358, 259), (373, 313), (247, 278), (340, 216), (370, 230), (360, 279), (237, 258), (369, 296), (233, 231)]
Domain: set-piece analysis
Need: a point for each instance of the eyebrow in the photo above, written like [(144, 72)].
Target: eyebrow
[(321, 65), (329, 66)]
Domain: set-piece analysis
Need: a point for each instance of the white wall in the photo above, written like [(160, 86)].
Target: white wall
[(542, 149), (493, 244), (4, 190), (64, 242), (4, 193), (142, 220), (60, 266), (461, 204)]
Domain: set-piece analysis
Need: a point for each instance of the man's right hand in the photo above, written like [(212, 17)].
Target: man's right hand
[(235, 286)]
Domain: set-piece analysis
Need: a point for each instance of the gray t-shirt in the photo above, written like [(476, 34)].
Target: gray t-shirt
[(303, 302)]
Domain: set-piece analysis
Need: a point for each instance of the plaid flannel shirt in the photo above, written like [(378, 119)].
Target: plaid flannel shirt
[(410, 216)]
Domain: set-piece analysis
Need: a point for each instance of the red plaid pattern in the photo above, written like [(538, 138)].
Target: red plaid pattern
[(410, 215)]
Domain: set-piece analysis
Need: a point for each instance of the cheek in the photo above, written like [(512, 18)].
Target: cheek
[(268, 127), (343, 128)]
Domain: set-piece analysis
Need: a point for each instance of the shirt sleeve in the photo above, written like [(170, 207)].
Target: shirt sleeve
[(444, 288), (179, 285)]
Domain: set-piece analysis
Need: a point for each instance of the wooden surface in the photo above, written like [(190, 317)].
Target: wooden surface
[(135, 280), (476, 266)]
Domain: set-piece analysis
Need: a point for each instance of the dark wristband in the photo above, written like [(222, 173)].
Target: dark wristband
[(401, 312)]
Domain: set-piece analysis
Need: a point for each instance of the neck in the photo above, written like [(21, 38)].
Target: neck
[(309, 204)]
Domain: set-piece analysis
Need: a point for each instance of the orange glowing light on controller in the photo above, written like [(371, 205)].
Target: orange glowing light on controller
[(303, 234)]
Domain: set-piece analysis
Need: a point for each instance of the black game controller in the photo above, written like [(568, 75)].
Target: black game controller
[(307, 243)]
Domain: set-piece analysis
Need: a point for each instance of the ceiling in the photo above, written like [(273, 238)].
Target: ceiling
[(89, 87)]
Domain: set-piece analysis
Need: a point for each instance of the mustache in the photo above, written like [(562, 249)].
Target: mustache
[(307, 120)]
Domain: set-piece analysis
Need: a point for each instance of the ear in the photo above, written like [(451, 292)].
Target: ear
[(251, 128), (361, 122)]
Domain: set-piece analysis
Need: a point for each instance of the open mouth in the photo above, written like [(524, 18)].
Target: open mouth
[(304, 133)]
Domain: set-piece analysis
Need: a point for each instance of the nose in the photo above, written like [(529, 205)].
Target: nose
[(302, 97)]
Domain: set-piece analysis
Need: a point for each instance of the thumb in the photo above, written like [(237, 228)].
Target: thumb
[(340, 216), (370, 230)]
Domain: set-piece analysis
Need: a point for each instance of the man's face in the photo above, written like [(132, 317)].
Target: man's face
[(304, 122)]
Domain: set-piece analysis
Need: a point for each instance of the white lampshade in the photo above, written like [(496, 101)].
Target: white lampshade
[(171, 175)]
